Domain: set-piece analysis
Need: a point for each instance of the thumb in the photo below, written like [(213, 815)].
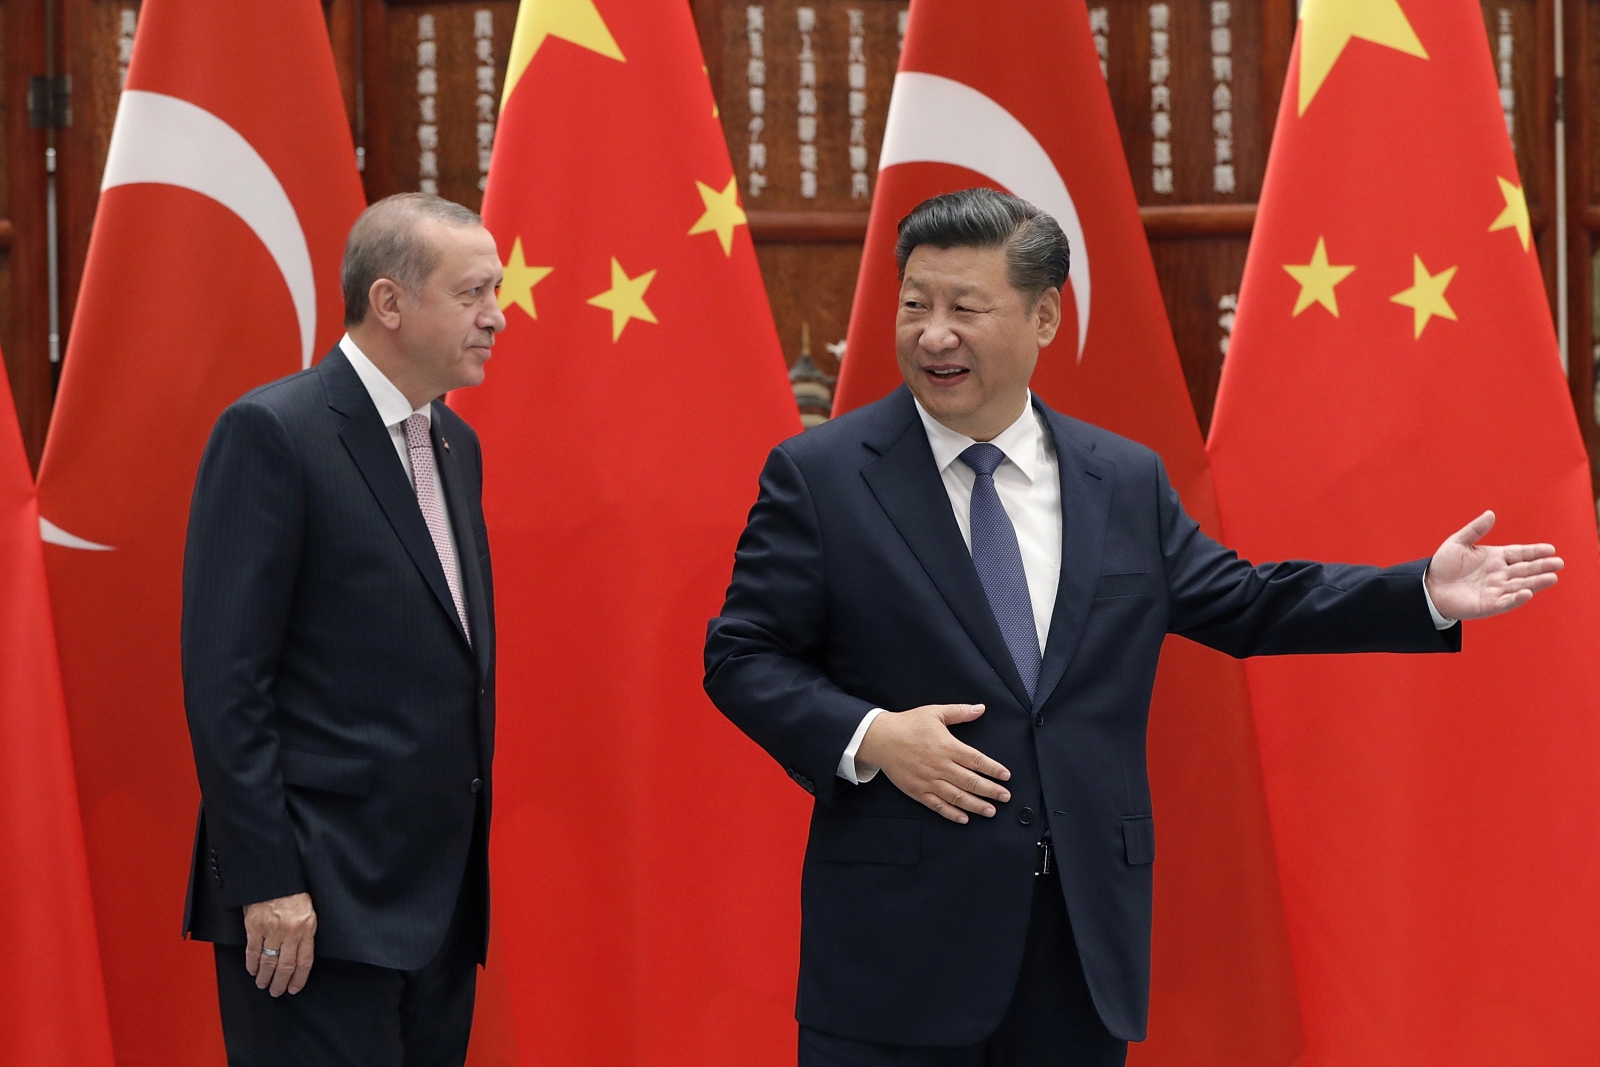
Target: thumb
[(1474, 531), (950, 713)]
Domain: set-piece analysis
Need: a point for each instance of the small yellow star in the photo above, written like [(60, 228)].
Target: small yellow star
[(575, 21), (723, 213), (625, 298), (517, 288), (1426, 295), (1317, 280), (1326, 27), (1515, 214)]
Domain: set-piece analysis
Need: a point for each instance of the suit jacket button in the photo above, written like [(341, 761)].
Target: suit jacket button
[(1025, 816), (477, 784)]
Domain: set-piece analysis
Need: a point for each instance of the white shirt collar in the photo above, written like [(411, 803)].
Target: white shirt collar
[(393, 407), (1020, 441)]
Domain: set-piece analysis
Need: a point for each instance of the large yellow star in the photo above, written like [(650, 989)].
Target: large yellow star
[(1317, 280), (625, 298), (1326, 26), (1515, 214), (1426, 295), (517, 288), (576, 21), (723, 213)]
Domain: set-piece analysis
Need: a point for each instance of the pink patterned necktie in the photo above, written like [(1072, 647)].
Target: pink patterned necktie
[(420, 445)]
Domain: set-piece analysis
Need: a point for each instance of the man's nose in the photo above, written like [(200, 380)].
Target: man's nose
[(938, 336), (493, 319)]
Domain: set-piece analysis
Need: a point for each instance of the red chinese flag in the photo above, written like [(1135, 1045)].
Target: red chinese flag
[(52, 996), (1393, 373), (229, 187), (1010, 95), (646, 855)]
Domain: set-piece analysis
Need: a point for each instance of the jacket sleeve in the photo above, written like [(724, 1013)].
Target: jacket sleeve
[(243, 551), (764, 653), (1297, 606)]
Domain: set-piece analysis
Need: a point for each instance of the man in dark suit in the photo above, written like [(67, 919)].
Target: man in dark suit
[(967, 592), (338, 660)]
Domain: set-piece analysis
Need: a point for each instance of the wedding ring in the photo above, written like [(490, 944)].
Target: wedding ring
[(270, 952)]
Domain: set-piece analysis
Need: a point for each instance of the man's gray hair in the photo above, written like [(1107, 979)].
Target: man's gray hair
[(1036, 250), (387, 242)]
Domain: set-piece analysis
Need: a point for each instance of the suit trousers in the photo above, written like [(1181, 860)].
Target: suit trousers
[(354, 1014), (1051, 1022)]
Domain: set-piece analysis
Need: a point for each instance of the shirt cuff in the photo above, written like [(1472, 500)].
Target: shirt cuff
[(851, 771), (1439, 621)]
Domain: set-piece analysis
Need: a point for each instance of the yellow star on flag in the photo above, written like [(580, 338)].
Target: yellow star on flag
[(625, 298), (1426, 295), (723, 213), (1515, 214), (1317, 280), (576, 21), (1326, 27), (517, 288)]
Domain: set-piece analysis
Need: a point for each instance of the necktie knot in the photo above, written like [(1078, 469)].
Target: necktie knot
[(983, 458), (417, 433)]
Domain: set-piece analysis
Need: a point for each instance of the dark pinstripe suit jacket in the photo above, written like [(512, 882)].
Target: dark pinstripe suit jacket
[(852, 589), (343, 726)]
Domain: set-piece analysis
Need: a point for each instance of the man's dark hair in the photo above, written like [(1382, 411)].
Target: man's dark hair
[(1036, 250), (387, 242)]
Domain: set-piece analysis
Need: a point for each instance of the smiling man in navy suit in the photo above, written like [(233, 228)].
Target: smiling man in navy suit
[(950, 604)]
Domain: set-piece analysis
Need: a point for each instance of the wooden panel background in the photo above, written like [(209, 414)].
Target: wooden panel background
[(422, 80)]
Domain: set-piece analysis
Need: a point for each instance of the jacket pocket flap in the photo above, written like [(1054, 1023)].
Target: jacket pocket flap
[(1129, 583), (1139, 836), (867, 839), (350, 775)]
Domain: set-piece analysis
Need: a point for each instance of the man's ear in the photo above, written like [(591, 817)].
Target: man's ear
[(384, 300), (1048, 313)]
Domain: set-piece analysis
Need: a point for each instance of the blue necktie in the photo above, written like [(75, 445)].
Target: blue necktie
[(999, 562)]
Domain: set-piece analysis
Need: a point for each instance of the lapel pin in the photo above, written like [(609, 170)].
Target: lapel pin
[(443, 440)]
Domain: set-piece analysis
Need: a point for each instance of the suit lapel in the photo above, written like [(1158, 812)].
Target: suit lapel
[(466, 544), (370, 446), (907, 485), (1086, 485)]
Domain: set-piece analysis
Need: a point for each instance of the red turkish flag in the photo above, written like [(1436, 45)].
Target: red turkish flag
[(52, 996), (1009, 94), (214, 267), (1393, 373), (646, 855)]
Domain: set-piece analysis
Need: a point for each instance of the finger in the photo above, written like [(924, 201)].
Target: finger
[(972, 759), (1474, 531), (1532, 554), (949, 811), (1531, 585), (285, 969), (1548, 565), (302, 969), (951, 713), (954, 795), (972, 782), (265, 970), (252, 951)]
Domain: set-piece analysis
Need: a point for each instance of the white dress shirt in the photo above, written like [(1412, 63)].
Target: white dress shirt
[(394, 409), (1028, 482)]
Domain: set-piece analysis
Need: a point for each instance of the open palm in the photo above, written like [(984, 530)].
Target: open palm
[(1471, 581)]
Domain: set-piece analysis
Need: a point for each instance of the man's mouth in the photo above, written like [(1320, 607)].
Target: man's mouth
[(946, 374)]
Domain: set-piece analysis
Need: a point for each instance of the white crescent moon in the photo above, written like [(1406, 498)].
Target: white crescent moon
[(162, 140), (938, 120)]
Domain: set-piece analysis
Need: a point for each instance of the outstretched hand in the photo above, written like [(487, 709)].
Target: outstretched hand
[(1467, 580)]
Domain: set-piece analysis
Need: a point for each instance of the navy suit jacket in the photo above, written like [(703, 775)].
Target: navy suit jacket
[(343, 726), (853, 589)]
